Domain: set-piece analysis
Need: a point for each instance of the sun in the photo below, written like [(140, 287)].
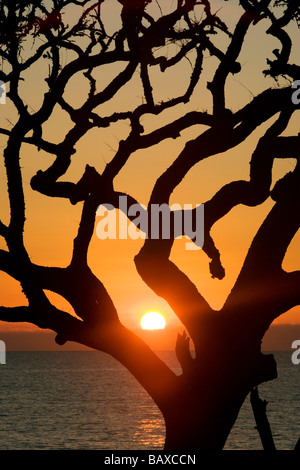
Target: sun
[(153, 321)]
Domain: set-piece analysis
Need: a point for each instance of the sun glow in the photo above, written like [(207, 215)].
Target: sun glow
[(153, 321)]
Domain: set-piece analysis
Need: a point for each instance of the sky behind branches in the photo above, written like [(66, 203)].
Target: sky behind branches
[(52, 224)]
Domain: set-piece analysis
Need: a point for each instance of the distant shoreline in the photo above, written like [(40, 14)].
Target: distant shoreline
[(278, 338)]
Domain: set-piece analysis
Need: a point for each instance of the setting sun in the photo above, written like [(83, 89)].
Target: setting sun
[(153, 321)]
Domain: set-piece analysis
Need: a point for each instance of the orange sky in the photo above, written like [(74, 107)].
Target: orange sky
[(52, 224)]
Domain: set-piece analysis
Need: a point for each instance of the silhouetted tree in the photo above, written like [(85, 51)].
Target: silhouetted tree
[(72, 39)]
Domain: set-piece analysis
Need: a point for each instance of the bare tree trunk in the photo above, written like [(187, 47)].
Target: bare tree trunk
[(200, 424), (205, 405)]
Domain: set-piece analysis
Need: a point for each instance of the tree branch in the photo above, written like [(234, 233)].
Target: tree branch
[(262, 287), (259, 408), (170, 283), (152, 373), (249, 193), (228, 64)]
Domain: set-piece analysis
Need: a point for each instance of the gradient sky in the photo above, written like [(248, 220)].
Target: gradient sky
[(52, 224)]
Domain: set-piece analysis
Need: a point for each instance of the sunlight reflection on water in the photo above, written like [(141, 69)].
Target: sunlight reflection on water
[(150, 432), (86, 400)]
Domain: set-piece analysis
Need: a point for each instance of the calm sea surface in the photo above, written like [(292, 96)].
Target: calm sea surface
[(87, 400)]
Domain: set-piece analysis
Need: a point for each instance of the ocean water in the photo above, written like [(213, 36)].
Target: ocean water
[(88, 401)]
